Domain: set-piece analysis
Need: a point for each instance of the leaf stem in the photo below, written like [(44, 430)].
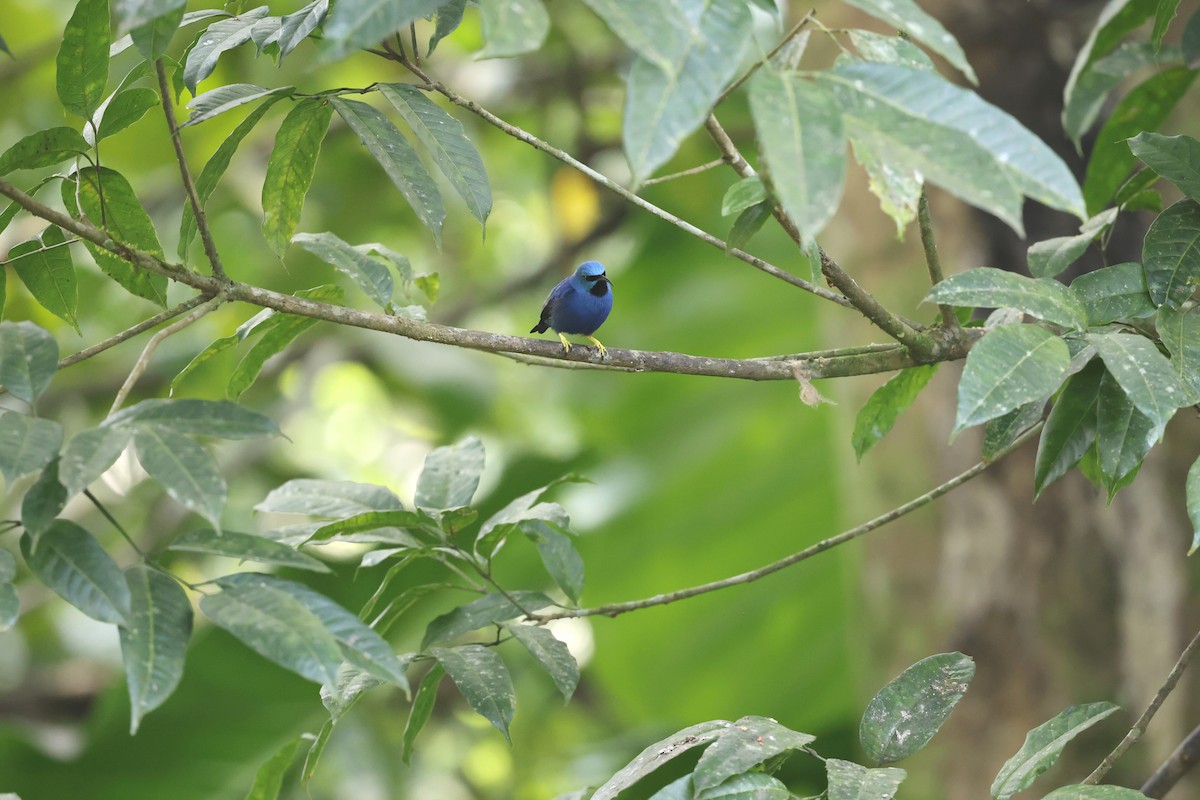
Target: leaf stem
[(113, 521), (129, 333), (787, 37), (684, 173), (932, 259)]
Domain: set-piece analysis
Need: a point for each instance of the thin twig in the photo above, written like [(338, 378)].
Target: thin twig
[(210, 247), (113, 520), (684, 173), (932, 259), (129, 333), (1175, 767), (615, 609), (144, 359), (1139, 727), (416, 51), (43, 249), (787, 37)]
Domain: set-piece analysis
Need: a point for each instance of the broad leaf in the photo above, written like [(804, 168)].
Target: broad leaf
[(222, 35), (908, 17), (660, 753), (1180, 334), (153, 37), (88, 455), (1124, 435), (516, 511), (512, 27), (422, 708), (72, 563), (656, 31), (154, 639), (1144, 373), (45, 267), (559, 556), (744, 745), (183, 468), (483, 680), (897, 187), (750, 786), (371, 276), (550, 653), (488, 610), (1010, 366), (889, 50), (1171, 254), (269, 778), (1112, 293), (82, 63), (1070, 428), (226, 98), (26, 443), (43, 501), (334, 499), (247, 547), (294, 28), (130, 14), (850, 781), (397, 157), (28, 359), (1176, 158), (1000, 433), (799, 129), (218, 418), (743, 194), (290, 170), (905, 714), (987, 287), (1043, 745), (451, 475), (879, 414), (43, 149), (122, 110), (365, 23), (1089, 93), (443, 136), (1105, 792), (1052, 256)]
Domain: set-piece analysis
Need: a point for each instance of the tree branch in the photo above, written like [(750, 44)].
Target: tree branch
[(129, 333), (210, 247), (757, 65), (932, 259), (1175, 767), (1139, 727), (759, 369), (615, 609)]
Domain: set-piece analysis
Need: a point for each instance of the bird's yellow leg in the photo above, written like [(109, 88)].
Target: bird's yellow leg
[(603, 349), (566, 344)]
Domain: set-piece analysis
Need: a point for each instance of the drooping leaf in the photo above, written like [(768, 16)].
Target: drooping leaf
[(154, 639), (220, 37), (294, 28), (153, 37), (451, 475), (551, 655), (1043, 745), (744, 745), (226, 98), (45, 267), (26, 443), (490, 609), (443, 136), (122, 110), (1124, 435), (218, 418), (28, 359), (43, 501), (656, 31), (1092, 89), (1050, 257), (506, 519), (1112, 293), (422, 708), (269, 778), (850, 781), (1180, 334), (799, 128), (1163, 14), (447, 20), (74, 566), (333, 499), (130, 14), (370, 275), (659, 753), (247, 547), (512, 27), (905, 714), (88, 455), (43, 149), (82, 63), (483, 680), (1070, 428), (1143, 372), (1176, 158), (897, 187), (1171, 254), (748, 223), (1142, 109), (364, 23), (340, 696), (183, 468), (559, 556), (881, 410), (663, 105), (889, 50), (1001, 432), (397, 157), (908, 17), (290, 170)]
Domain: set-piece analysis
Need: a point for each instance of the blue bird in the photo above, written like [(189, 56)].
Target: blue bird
[(579, 304)]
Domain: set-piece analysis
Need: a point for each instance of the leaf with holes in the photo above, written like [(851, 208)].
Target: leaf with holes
[(905, 714)]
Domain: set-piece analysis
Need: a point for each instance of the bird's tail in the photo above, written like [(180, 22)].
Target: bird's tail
[(541, 327)]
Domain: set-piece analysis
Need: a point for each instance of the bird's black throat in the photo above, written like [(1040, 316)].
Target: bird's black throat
[(600, 287)]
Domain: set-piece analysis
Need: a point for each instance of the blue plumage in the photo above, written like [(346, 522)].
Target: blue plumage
[(579, 304)]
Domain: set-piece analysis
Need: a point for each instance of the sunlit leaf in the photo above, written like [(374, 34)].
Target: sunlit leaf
[(72, 563), (218, 418), (28, 359), (908, 17), (551, 655), (1043, 745), (483, 680), (451, 475), (45, 267), (82, 63), (183, 468), (512, 27), (221, 36), (247, 547), (290, 170), (154, 639), (905, 714), (879, 414), (371, 276), (334, 499)]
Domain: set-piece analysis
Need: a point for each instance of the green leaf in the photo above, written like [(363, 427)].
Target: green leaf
[(1142, 109), (397, 157), (1144, 373), (490, 609), (1080, 792), (72, 564), (1095, 83), (218, 418), (45, 267), (154, 639), (122, 110), (512, 27), (987, 287), (897, 187), (1180, 334), (1171, 254), (359, 644), (559, 556), (290, 170), (10, 612), (247, 547), (154, 37), (26, 443), (879, 414), (356, 24), (371, 276), (744, 745), (207, 180), (1070, 428), (451, 475), (1190, 41), (908, 17), (351, 684), (443, 136), (222, 35), (125, 220), (656, 31), (43, 501), (226, 98), (905, 714), (269, 778), (660, 753), (1010, 366), (1112, 293), (1052, 256), (88, 455), (82, 63), (294, 28), (380, 526), (1193, 504), (743, 194), (28, 359), (748, 223), (8, 566), (1176, 158), (422, 708), (1001, 432), (43, 149), (751, 786), (448, 18), (130, 14), (183, 468), (799, 129), (483, 680), (849, 781), (313, 757), (664, 103), (1124, 435), (333, 499), (550, 653), (275, 625), (1163, 14), (889, 50), (1043, 745)]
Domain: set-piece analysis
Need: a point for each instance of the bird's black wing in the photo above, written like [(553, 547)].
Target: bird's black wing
[(548, 309)]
